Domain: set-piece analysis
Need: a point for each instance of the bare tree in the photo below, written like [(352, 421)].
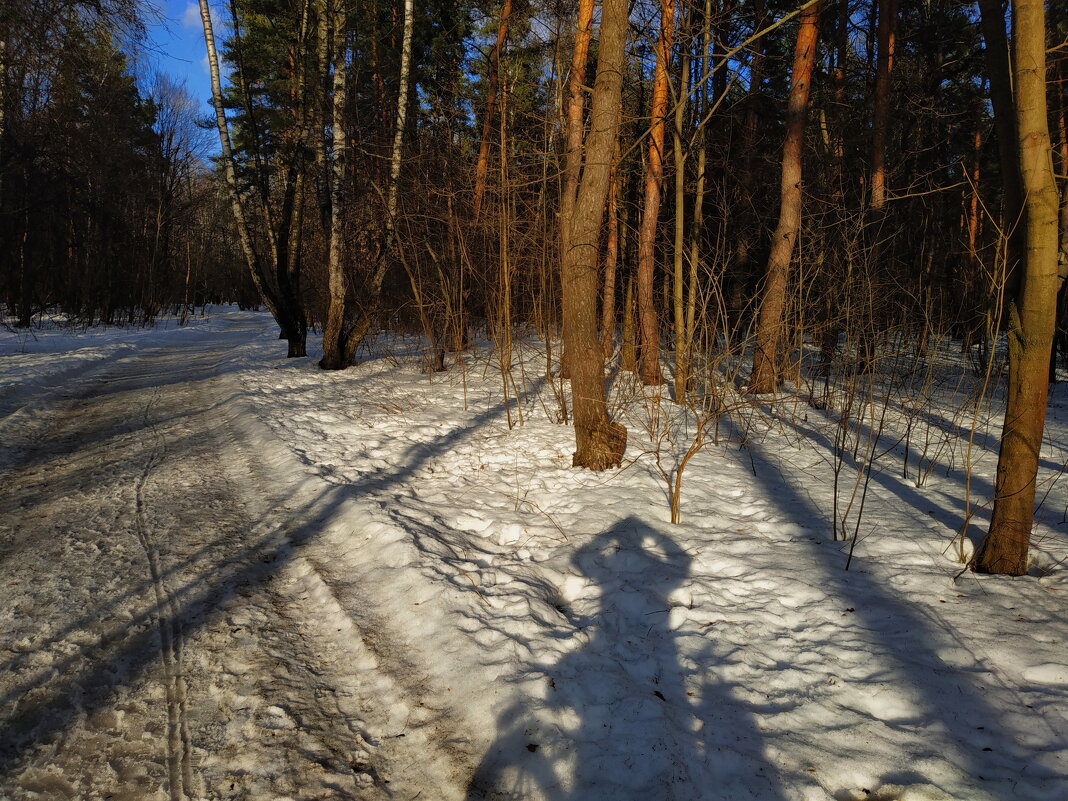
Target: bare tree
[(765, 377), (599, 442), (648, 327), (1031, 320), (493, 68)]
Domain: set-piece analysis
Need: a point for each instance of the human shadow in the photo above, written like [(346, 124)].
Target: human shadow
[(630, 713)]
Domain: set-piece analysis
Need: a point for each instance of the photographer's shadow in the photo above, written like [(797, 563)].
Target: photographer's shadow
[(626, 717)]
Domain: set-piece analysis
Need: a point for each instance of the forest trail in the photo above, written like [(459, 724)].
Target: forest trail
[(168, 627)]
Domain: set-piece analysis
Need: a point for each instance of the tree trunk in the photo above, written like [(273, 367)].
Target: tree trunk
[(628, 356), (255, 265), (333, 165), (359, 330), (648, 328), (573, 136), (573, 119), (881, 112), (611, 257), (1061, 89), (482, 166), (678, 294), (1030, 334), (765, 377), (697, 229), (1001, 98), (599, 442)]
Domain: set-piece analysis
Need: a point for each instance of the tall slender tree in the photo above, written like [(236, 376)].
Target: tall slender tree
[(648, 325), (765, 376), (1032, 318)]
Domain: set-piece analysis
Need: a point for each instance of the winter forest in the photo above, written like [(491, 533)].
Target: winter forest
[(543, 400)]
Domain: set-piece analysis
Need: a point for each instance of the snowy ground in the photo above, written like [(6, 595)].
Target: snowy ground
[(224, 574)]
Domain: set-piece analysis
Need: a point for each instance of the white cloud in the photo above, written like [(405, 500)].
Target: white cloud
[(191, 15)]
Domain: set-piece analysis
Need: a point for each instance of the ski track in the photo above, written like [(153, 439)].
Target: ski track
[(170, 629), (207, 592)]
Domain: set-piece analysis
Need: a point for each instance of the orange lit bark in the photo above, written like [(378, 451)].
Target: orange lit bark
[(482, 166), (765, 377), (649, 330), (881, 112), (1031, 319)]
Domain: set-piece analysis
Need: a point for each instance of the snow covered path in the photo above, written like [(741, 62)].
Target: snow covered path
[(162, 634), (229, 575)]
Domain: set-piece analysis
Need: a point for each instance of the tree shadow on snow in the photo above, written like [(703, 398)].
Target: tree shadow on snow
[(626, 716), (906, 647)]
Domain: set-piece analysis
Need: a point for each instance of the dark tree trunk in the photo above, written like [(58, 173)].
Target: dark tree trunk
[(599, 442)]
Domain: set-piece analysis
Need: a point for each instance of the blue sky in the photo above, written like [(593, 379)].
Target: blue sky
[(176, 46)]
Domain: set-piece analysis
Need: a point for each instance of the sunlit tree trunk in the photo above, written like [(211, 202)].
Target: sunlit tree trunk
[(1031, 320), (881, 113), (1061, 90), (573, 118), (255, 265), (648, 328), (678, 286), (611, 258), (573, 126), (482, 165), (765, 377), (599, 442)]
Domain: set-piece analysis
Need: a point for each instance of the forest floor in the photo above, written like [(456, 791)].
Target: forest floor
[(228, 575)]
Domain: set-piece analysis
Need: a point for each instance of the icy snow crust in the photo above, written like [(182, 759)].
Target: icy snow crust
[(224, 574)]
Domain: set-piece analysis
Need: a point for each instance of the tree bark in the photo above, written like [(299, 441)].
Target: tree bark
[(482, 166), (678, 294), (1031, 321), (573, 137), (765, 377), (244, 233), (359, 330), (881, 112), (992, 21), (649, 330), (599, 442), (573, 119), (611, 258), (333, 165)]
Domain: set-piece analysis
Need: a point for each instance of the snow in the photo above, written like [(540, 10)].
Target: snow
[(242, 577)]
